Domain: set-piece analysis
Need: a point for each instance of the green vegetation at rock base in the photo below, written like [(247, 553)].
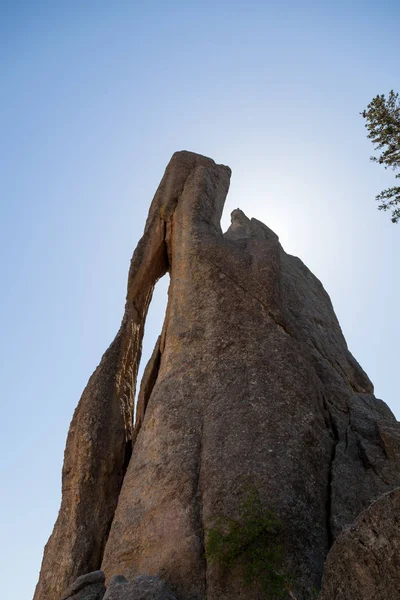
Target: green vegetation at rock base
[(252, 544)]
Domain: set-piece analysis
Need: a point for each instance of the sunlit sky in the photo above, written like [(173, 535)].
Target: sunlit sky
[(95, 98)]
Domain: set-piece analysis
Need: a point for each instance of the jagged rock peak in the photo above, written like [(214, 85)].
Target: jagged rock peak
[(250, 380)]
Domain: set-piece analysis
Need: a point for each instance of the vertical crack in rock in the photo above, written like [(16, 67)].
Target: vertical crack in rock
[(146, 386), (330, 486), (334, 435), (198, 503)]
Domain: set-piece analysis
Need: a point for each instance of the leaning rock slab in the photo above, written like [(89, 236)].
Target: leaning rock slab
[(364, 563), (144, 587), (86, 587)]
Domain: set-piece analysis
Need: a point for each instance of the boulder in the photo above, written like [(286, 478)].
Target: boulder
[(143, 587), (364, 562), (86, 587)]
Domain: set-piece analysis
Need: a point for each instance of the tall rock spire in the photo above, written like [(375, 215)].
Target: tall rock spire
[(251, 380)]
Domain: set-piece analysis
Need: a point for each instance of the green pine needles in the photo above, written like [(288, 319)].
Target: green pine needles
[(382, 120), (251, 543)]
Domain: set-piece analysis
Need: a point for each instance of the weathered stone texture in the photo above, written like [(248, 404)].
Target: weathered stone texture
[(86, 587), (144, 587), (364, 562), (250, 380)]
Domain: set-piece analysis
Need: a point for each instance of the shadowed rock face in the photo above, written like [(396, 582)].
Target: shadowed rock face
[(142, 588), (364, 563), (251, 380), (86, 587)]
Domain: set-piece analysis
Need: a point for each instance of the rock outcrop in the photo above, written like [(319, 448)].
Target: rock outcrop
[(91, 587), (364, 562), (251, 379), (87, 587), (143, 587)]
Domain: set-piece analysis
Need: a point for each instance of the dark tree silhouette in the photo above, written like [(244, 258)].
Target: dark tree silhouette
[(382, 117)]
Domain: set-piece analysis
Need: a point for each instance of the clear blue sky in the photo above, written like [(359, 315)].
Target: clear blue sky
[(95, 97)]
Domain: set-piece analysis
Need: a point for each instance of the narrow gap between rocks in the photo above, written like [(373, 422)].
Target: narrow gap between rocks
[(153, 328)]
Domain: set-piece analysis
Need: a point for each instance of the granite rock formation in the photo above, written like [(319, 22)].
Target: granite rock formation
[(141, 588), (250, 379), (364, 562), (87, 587)]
